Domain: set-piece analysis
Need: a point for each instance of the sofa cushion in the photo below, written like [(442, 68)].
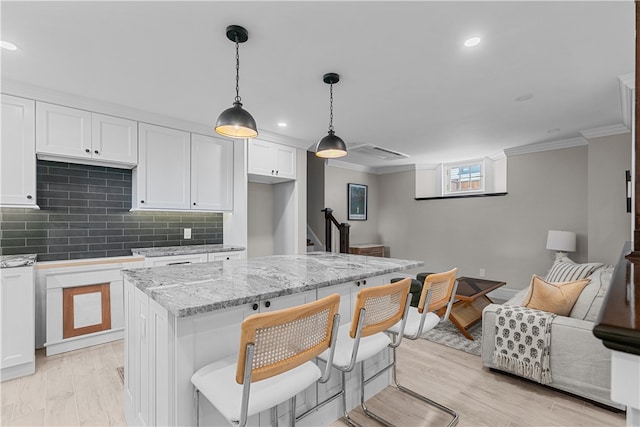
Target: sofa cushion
[(565, 270), (557, 298), (588, 305)]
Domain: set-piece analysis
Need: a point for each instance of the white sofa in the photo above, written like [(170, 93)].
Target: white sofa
[(580, 363)]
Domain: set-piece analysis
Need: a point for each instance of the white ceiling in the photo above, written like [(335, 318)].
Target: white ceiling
[(407, 81)]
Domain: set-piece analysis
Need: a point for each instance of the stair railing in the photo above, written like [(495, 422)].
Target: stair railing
[(343, 228)]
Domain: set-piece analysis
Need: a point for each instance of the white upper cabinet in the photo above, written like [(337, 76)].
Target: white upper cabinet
[(64, 133), (162, 178), (211, 173), (18, 153), (270, 162), (114, 139)]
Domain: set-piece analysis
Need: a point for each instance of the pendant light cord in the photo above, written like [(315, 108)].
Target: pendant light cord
[(331, 107), (237, 70)]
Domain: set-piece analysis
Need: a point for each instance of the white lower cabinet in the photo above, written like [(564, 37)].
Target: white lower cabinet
[(175, 260), (227, 256), (17, 324), (162, 352)]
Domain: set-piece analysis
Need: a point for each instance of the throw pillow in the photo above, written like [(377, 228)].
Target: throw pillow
[(565, 270), (557, 298)]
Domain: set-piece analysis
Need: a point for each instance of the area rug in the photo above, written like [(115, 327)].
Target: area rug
[(447, 334), (121, 373)]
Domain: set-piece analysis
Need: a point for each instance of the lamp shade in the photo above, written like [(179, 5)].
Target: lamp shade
[(563, 241), (331, 147), (236, 122)]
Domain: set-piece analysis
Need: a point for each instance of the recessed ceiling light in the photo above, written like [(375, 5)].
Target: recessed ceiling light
[(470, 42), (282, 124), (8, 45), (524, 97)]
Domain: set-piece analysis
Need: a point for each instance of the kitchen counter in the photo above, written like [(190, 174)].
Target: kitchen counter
[(179, 318), (184, 250), (187, 290), (8, 261)]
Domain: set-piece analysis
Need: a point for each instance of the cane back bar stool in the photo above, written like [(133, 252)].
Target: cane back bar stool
[(376, 310), (274, 361), (439, 291)]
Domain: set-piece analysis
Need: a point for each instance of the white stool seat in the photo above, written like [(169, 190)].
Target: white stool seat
[(217, 383), (412, 326), (368, 347)]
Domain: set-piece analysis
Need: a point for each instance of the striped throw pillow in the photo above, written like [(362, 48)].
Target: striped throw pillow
[(565, 270)]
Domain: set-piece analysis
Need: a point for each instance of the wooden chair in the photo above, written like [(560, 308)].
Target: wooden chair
[(438, 292), (376, 310), (274, 361)]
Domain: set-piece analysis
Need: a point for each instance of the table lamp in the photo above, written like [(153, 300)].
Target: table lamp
[(561, 242)]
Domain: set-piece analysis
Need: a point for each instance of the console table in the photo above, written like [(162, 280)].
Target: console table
[(367, 249)]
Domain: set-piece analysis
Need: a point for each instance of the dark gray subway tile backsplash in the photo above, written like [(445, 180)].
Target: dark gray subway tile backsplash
[(84, 213)]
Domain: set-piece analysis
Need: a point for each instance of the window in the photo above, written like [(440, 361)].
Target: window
[(463, 177)]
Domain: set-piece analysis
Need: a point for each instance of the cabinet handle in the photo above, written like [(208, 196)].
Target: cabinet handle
[(86, 150), (267, 304), (358, 283), (255, 306), (141, 201), (179, 263), (29, 196), (364, 282), (227, 258), (97, 152), (272, 171), (277, 172), (194, 203)]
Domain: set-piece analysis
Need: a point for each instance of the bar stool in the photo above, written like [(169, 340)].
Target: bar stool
[(274, 361), (376, 309), (439, 291)]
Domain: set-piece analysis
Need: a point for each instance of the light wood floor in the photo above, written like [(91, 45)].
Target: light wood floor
[(83, 388)]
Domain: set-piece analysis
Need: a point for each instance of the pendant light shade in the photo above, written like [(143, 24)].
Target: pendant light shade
[(331, 146), (236, 122)]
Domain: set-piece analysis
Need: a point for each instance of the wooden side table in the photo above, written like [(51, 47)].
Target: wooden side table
[(368, 249), (472, 298)]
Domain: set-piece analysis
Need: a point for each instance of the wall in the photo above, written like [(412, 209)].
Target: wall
[(505, 235), (261, 219), (609, 224), (315, 194), (85, 214), (335, 195)]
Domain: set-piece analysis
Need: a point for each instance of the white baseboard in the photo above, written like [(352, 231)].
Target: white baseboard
[(17, 371), (84, 341)]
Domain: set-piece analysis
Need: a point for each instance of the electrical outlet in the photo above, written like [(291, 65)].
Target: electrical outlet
[(187, 233), (482, 272)]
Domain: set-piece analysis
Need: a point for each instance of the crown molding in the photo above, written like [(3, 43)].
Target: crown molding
[(546, 146), (602, 131), (626, 85), (383, 170), (39, 93)]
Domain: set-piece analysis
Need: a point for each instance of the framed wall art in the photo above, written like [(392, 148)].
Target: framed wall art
[(357, 202)]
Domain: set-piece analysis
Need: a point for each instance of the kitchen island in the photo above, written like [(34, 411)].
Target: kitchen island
[(179, 318)]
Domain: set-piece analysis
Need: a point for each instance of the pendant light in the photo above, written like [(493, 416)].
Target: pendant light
[(331, 146), (235, 122)]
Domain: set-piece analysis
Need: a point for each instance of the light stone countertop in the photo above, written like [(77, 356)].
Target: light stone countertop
[(8, 261), (188, 290), (184, 250)]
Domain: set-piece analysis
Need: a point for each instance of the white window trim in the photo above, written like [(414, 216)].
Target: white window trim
[(446, 167)]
